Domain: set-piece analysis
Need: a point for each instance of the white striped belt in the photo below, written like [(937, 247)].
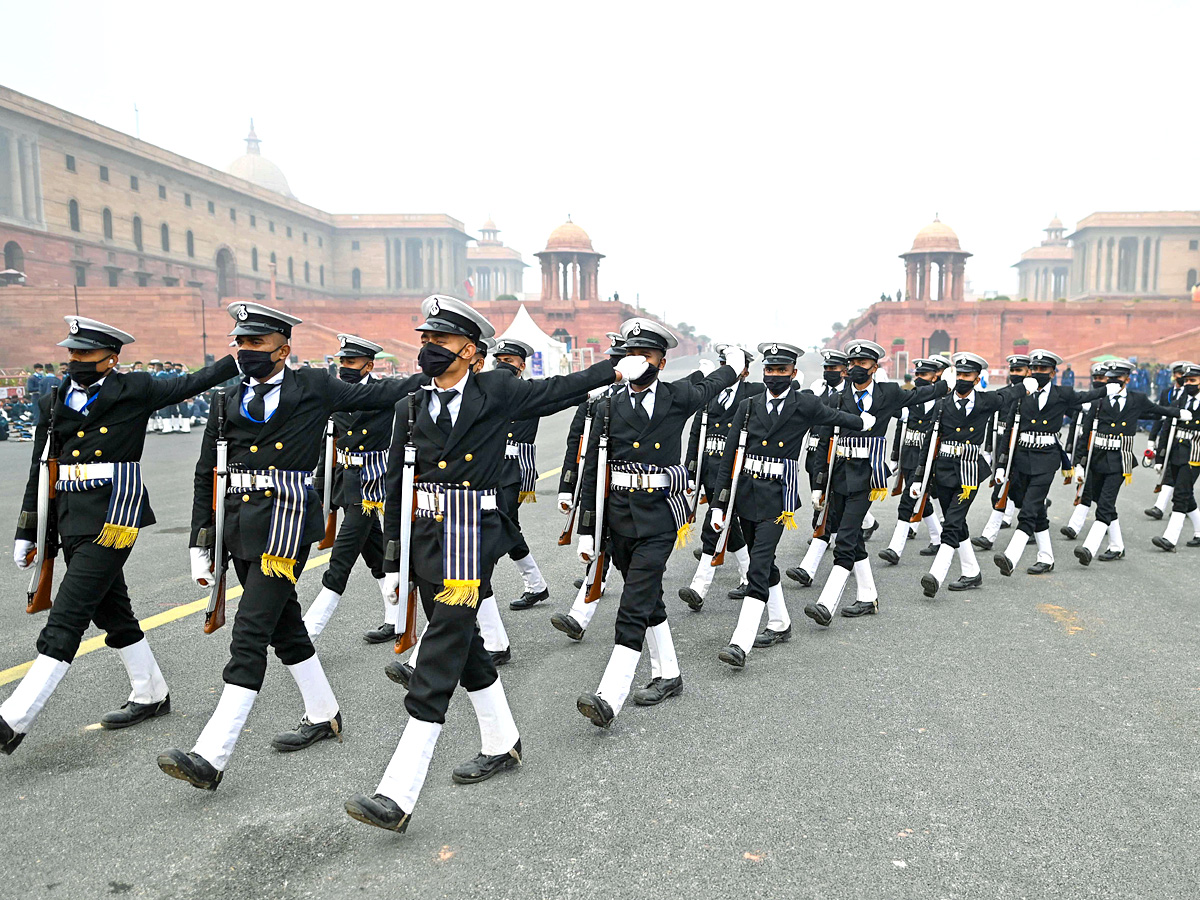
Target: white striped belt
[(249, 481), (350, 459), (764, 467), (714, 444), (431, 500), (914, 438), (1108, 442), (85, 471), (640, 481), (1036, 439), (512, 449), (813, 442), (854, 452), (952, 448), (1185, 434)]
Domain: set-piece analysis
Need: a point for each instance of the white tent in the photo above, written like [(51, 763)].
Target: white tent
[(548, 354)]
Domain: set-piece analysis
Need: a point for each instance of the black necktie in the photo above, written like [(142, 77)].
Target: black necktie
[(775, 406), (858, 398), (962, 404), (444, 422), (257, 407), (639, 398)]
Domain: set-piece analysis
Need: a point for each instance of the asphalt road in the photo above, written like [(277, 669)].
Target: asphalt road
[(1035, 738)]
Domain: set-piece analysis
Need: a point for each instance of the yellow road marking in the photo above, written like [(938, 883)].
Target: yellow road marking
[(549, 474)]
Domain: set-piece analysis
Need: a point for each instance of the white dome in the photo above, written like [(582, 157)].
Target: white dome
[(257, 169)]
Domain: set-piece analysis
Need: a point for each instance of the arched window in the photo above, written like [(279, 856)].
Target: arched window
[(321, 271), (1191, 279), (939, 342), (191, 244), (291, 270), (254, 258), (73, 213), (165, 232), (307, 279), (108, 232), (356, 280), (14, 258), (137, 232)]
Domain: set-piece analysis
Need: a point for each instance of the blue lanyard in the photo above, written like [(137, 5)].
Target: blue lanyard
[(246, 412), (90, 400)]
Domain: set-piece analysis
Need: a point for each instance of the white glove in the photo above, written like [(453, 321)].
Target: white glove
[(632, 367), (1113, 389), (987, 457), (735, 358), (818, 499), (1030, 384), (20, 551), (718, 519), (1185, 415), (1158, 468), (706, 366), (1080, 474), (391, 585), (691, 488), (914, 490), (564, 504), (202, 568), (868, 420), (1000, 479), (587, 548)]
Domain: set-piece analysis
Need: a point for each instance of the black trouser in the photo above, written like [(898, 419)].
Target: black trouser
[(268, 614), (92, 590), (641, 562), (954, 512), (846, 514), (1029, 492), (904, 511), (1104, 486), (508, 501), (360, 535), (1184, 498), (708, 537), (762, 538)]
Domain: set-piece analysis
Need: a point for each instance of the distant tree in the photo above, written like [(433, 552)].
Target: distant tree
[(838, 326), (507, 297)]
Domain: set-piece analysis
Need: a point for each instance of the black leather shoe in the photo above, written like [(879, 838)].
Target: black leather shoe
[(1153, 512), (190, 767), (912, 535), (739, 592), (1069, 532), (798, 574), (1040, 568), (1163, 544), (870, 531), (9, 739), (1110, 554), (963, 583), (398, 672), (1084, 555), (698, 552), (982, 543), (578, 582), (1003, 563), (929, 585), (567, 625), (131, 713), (502, 657), (889, 556), (734, 655), (529, 598), (308, 733), (658, 690), (931, 550), (595, 708), (481, 768), (860, 608), (769, 637), (385, 632), (818, 614), (1004, 525), (380, 811), (1194, 542), (692, 598)]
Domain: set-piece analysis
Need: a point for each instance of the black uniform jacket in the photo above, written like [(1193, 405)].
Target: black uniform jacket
[(290, 440), (1110, 423), (772, 437), (644, 513), (113, 430), (473, 454), (720, 424), (1046, 420), (920, 421), (524, 429), (966, 428)]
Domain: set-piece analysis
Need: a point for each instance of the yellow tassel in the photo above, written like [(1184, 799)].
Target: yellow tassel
[(527, 497), (787, 520), (879, 494), (966, 492), (372, 508), (683, 535), (1194, 463), (459, 592), (1068, 473), (1129, 478), (279, 566), (117, 536)]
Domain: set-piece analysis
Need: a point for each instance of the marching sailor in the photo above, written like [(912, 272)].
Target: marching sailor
[(765, 494), (1104, 455), (274, 425), (1084, 504), (458, 434), (646, 513), (1157, 439), (1181, 456), (860, 476), (361, 447), (717, 418), (100, 418), (1038, 418), (1018, 371)]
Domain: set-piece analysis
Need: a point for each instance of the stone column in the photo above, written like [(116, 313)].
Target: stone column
[(926, 266), (960, 280), (398, 249), (910, 278), (27, 198), (14, 159), (575, 279)]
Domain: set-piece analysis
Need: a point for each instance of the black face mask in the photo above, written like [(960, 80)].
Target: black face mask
[(859, 374), (256, 363), (434, 359), (777, 384), (1042, 378), (1015, 379), (349, 375), (1191, 389), (508, 367), (1179, 380), (962, 387), (84, 373), (1097, 384), (921, 381), (833, 379), (646, 377)]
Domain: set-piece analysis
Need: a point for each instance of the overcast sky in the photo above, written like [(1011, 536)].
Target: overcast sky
[(753, 169)]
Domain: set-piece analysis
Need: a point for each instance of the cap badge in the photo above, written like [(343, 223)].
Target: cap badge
[(342, 339), (774, 348), (637, 328), (434, 309), (74, 326), (242, 313)]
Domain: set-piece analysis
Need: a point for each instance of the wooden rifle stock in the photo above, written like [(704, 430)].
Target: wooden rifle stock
[(330, 512), (408, 637), (215, 619), (330, 531), (564, 539), (40, 599), (830, 456), (594, 589)]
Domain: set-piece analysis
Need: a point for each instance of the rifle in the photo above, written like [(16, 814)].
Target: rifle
[(42, 579), (407, 589), (739, 459), (564, 539), (1002, 499), (330, 512), (989, 442), (1071, 432), (825, 481), (602, 482), (700, 455), (1087, 466), (935, 441), (214, 615), (897, 452), (1162, 476)]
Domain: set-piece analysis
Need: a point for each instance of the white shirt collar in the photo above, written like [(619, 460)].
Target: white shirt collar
[(277, 378), (457, 386), (650, 390), (76, 386)]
